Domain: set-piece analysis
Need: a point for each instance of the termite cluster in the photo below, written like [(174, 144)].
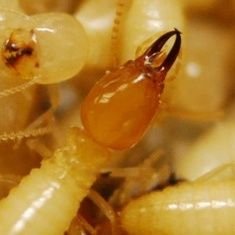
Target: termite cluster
[(117, 117)]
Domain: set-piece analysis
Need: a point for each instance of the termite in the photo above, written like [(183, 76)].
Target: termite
[(46, 200), (205, 204), (31, 54), (204, 207), (120, 107), (31, 49)]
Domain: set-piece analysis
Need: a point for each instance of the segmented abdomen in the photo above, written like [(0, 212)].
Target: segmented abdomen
[(47, 199), (195, 209)]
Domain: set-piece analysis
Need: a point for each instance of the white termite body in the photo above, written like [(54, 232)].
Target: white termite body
[(203, 208), (47, 199)]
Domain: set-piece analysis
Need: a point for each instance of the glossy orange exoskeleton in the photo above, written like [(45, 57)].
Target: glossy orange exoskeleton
[(120, 107)]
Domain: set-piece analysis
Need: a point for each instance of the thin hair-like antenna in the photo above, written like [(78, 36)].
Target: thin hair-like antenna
[(19, 135), (19, 88), (116, 32)]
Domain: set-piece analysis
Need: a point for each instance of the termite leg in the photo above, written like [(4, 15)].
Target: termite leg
[(221, 173), (108, 211)]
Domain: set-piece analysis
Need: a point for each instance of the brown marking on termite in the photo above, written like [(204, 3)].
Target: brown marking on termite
[(20, 52), (16, 53)]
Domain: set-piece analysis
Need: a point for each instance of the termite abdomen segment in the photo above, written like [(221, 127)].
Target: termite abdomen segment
[(176, 210), (155, 49)]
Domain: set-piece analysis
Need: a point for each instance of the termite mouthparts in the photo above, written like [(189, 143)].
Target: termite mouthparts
[(155, 49)]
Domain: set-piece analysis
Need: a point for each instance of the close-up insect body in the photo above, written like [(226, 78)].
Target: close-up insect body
[(117, 117)]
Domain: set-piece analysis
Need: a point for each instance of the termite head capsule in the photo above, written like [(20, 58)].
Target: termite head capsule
[(120, 107)]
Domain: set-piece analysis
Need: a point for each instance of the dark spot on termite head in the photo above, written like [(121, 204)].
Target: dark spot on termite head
[(15, 53), (20, 52)]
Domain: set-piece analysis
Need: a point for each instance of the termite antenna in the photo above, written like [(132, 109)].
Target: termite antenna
[(155, 49)]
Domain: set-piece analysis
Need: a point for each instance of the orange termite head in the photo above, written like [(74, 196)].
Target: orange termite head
[(120, 107)]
